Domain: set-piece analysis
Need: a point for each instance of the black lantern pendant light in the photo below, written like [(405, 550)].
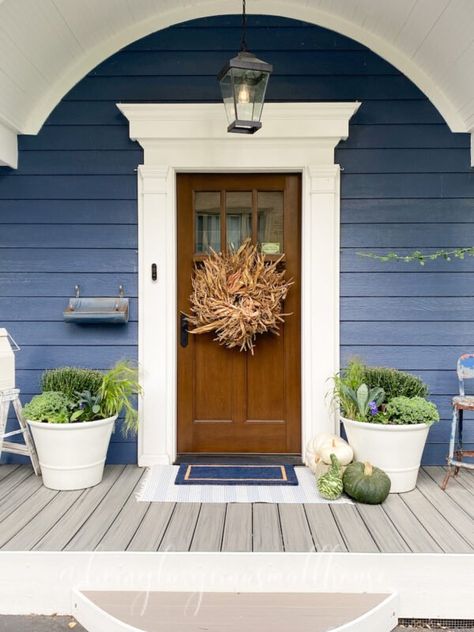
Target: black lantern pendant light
[(243, 82)]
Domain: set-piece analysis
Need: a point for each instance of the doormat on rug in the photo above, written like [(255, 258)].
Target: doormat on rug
[(200, 474), (159, 486)]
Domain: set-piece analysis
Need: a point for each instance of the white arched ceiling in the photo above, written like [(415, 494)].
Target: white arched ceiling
[(47, 46)]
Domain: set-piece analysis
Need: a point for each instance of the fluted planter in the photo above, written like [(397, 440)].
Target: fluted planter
[(395, 448), (72, 455)]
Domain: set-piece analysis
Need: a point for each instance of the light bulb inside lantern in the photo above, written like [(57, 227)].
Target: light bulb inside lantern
[(244, 94)]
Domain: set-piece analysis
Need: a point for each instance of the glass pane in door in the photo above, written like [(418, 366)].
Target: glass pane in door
[(238, 217), (207, 221), (270, 222)]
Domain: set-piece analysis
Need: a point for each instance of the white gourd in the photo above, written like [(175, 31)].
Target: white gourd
[(319, 449)]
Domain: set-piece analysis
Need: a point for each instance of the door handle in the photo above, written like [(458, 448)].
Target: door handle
[(183, 330)]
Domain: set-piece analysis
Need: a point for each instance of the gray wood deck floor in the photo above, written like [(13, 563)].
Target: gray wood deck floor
[(108, 518)]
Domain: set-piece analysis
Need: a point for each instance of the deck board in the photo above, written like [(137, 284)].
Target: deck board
[(466, 479), (152, 528), (74, 518), (209, 528), (266, 528), (19, 496), (94, 529), (180, 530), (25, 513), (31, 533), (14, 485), (442, 531), (7, 469), (324, 528), (354, 530), (107, 517), (238, 528), (412, 530), (123, 528), (461, 496), (451, 511), (382, 529), (295, 529)]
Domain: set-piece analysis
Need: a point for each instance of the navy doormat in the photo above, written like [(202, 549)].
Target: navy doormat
[(236, 475)]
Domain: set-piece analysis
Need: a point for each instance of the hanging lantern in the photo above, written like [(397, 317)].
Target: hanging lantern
[(243, 82)]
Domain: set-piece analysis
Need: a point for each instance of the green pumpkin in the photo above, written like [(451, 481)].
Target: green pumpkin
[(365, 483), (330, 484)]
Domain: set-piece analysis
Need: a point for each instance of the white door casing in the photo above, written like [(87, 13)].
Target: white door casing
[(295, 137)]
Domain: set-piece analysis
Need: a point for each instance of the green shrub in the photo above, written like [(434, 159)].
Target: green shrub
[(394, 383), (414, 410), (71, 381), (51, 406)]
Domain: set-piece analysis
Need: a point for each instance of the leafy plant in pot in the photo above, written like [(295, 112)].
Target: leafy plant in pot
[(387, 418), (73, 419)]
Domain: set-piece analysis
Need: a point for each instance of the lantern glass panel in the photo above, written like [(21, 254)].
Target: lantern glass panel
[(249, 91), (227, 90)]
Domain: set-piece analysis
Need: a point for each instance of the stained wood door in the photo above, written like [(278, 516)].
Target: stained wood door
[(231, 401)]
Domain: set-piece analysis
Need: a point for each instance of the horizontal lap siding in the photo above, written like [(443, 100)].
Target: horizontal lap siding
[(68, 215)]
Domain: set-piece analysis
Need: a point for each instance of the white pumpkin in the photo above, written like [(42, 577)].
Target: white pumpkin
[(340, 448), (322, 446)]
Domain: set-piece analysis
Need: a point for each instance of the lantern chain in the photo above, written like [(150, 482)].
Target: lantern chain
[(243, 40)]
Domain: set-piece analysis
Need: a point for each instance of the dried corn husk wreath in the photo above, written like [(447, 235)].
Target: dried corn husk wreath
[(237, 295)]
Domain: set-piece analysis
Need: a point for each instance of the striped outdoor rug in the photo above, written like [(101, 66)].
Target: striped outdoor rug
[(159, 486)]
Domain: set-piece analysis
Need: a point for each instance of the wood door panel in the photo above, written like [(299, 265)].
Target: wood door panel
[(266, 380), (230, 401), (213, 381)]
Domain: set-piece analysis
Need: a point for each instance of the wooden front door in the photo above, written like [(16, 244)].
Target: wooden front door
[(231, 401)]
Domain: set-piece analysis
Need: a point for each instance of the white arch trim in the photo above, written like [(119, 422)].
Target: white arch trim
[(184, 10)]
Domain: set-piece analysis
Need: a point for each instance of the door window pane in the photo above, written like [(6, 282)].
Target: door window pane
[(270, 222), (207, 221), (238, 217)]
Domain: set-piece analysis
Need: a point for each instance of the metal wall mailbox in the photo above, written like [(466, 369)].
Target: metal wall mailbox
[(97, 310)]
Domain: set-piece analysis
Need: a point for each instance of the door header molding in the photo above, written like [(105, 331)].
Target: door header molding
[(298, 137), (150, 121)]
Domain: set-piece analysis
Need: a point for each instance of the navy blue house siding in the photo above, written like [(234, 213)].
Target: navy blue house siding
[(68, 214)]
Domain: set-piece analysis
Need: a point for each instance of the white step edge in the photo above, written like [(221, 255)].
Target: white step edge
[(382, 618)]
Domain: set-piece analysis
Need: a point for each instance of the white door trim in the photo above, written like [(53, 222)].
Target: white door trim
[(296, 137)]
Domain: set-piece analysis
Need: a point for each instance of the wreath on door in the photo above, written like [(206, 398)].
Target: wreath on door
[(237, 295)]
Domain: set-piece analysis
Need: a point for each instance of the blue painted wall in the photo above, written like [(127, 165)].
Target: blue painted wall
[(68, 215)]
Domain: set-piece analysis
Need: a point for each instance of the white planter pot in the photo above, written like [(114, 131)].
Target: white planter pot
[(72, 456), (396, 449)]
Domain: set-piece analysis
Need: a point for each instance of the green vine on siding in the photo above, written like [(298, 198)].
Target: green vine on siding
[(422, 257)]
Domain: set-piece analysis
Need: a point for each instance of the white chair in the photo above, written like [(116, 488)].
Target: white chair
[(28, 447)]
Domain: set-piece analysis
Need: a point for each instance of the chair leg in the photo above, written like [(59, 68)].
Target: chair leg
[(449, 473), (458, 452), (27, 437), (4, 406), (452, 442)]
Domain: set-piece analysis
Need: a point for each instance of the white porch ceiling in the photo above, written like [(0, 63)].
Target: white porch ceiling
[(47, 46)]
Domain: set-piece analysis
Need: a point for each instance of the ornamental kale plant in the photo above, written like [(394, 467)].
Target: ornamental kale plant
[(87, 407), (51, 407), (414, 410)]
